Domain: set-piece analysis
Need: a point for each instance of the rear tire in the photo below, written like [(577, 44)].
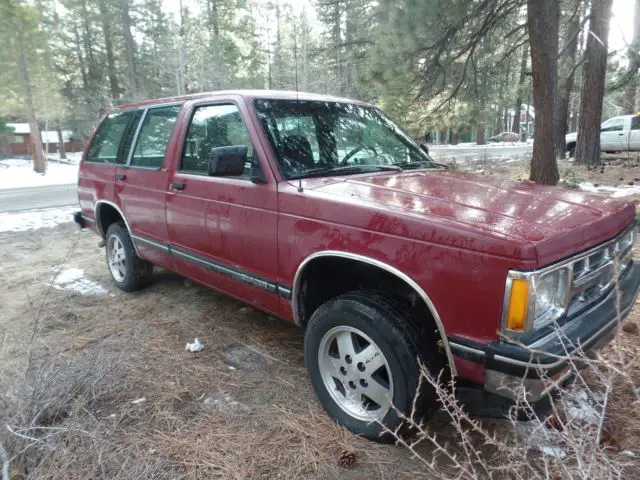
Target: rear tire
[(128, 271), (363, 356)]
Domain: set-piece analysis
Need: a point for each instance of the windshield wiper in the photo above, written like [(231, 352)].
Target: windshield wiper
[(328, 171), (417, 164)]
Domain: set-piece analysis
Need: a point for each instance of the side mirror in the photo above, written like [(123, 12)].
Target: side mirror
[(424, 148), (227, 161)]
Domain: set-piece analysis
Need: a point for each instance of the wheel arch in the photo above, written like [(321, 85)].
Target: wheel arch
[(412, 284), (100, 212)]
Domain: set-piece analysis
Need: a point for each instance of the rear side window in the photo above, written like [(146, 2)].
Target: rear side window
[(215, 126), (635, 123), (106, 145), (613, 125), (154, 137)]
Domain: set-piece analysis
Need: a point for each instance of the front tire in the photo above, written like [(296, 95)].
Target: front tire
[(363, 358), (128, 271)]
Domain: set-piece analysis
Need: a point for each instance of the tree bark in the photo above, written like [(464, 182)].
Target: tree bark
[(4, 145), (631, 90), (480, 140), (108, 44), (214, 21), (337, 40), (592, 93), (523, 75), (18, 44), (567, 64), (543, 18), (61, 150), (130, 48), (87, 40), (37, 154)]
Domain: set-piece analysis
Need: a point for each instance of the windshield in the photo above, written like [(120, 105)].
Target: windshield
[(315, 138)]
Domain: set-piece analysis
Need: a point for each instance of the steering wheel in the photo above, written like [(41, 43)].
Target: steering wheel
[(355, 150)]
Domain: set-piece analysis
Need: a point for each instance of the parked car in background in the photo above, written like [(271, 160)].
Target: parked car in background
[(618, 134), (505, 137), (321, 211)]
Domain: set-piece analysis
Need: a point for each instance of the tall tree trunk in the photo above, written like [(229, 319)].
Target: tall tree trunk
[(39, 159), (61, 150), (4, 145), (503, 102), (567, 64), (523, 75), (183, 86), (592, 93), (214, 20), (543, 17), (111, 65), (83, 69), (480, 140), (130, 48), (87, 40), (337, 40), (631, 91)]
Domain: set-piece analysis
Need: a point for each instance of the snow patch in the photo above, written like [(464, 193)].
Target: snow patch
[(73, 279), (583, 407), (620, 191), (556, 452), (223, 401), (35, 219), (18, 173)]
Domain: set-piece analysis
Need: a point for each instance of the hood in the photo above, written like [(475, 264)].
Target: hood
[(557, 222)]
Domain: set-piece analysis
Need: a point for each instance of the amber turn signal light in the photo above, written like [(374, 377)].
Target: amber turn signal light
[(518, 305)]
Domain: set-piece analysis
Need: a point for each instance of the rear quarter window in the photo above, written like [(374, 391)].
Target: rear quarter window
[(106, 145)]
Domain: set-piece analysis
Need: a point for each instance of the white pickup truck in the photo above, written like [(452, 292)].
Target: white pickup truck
[(618, 134)]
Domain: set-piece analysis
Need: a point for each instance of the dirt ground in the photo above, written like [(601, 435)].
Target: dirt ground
[(105, 379), (241, 408)]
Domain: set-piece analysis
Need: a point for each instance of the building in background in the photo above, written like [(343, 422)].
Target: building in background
[(20, 140)]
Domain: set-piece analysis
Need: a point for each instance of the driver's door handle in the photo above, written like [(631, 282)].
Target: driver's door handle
[(177, 185), (120, 176)]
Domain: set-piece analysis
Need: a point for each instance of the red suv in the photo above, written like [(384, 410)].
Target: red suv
[(321, 211)]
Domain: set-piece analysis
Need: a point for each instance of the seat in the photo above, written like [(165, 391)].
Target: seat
[(298, 149)]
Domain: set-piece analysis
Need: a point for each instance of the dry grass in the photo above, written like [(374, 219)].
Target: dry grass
[(242, 408)]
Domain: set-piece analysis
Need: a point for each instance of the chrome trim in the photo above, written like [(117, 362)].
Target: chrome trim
[(464, 348), (508, 386), (153, 243), (232, 273), (146, 107), (573, 288), (134, 140), (383, 266), (584, 344), (103, 233)]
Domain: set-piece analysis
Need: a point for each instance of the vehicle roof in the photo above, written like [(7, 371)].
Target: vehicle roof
[(623, 116), (247, 94)]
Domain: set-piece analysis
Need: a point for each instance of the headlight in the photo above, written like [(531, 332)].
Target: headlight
[(533, 300), (550, 293)]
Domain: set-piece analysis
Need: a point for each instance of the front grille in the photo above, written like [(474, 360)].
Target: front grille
[(594, 271)]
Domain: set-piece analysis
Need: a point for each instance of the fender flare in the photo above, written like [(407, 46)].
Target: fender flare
[(103, 234), (295, 292)]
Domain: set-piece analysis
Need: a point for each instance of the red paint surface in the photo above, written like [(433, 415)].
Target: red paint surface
[(455, 234)]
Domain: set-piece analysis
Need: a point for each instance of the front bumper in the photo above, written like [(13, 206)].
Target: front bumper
[(537, 368)]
